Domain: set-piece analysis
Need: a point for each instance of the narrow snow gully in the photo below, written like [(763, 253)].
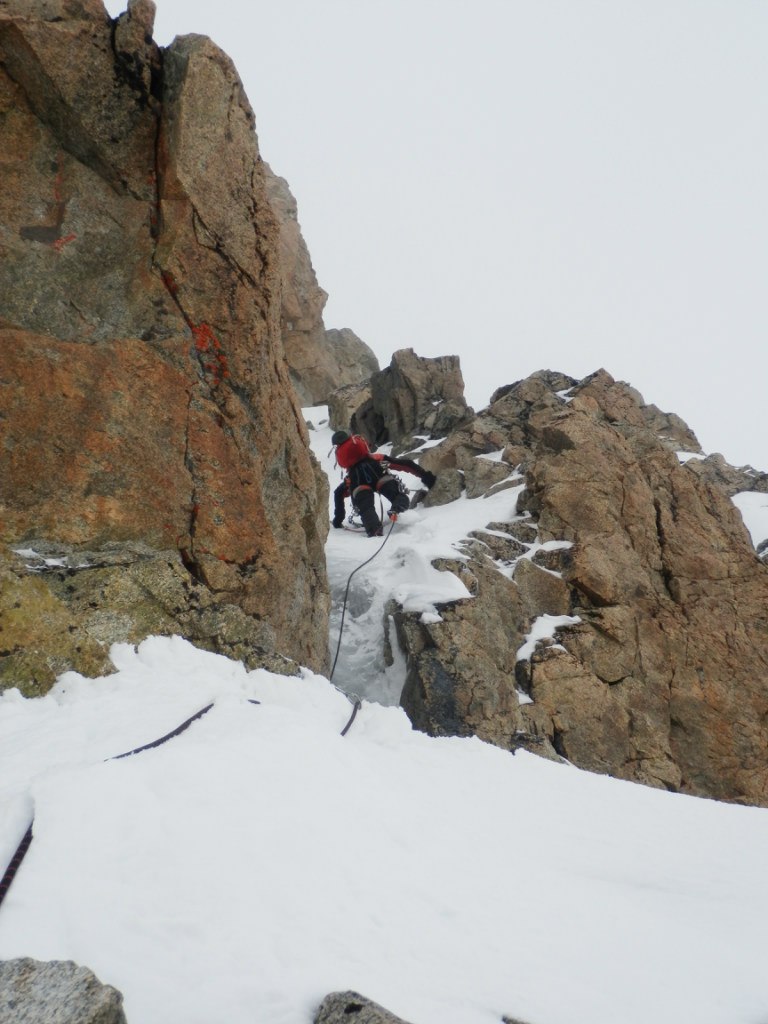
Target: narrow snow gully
[(368, 579)]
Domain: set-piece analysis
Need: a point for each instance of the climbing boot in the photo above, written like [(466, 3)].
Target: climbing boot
[(399, 504)]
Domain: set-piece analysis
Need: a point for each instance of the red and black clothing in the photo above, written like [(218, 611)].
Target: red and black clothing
[(367, 474)]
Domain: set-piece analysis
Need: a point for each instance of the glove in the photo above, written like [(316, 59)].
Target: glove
[(429, 479), (338, 523)]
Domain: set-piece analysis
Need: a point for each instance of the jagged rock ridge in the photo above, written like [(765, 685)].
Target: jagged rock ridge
[(658, 671), (152, 442)]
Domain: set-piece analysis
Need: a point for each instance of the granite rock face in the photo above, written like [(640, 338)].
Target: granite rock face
[(144, 392), (656, 669), (411, 398), (344, 403), (57, 992), (320, 360)]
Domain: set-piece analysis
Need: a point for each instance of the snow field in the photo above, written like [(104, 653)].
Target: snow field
[(257, 861)]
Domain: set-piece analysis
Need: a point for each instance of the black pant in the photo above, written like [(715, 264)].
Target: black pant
[(364, 500)]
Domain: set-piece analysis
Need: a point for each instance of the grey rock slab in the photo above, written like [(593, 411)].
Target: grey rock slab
[(57, 992)]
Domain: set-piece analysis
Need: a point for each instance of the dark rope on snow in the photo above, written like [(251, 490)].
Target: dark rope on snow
[(23, 846), (346, 595), (355, 708), (168, 736), (15, 864), (21, 849)]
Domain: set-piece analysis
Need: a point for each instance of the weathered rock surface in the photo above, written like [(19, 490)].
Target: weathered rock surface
[(144, 391), (658, 671), (413, 397), (733, 479), (352, 1008), (303, 300), (344, 403), (351, 361), (320, 361), (57, 992)]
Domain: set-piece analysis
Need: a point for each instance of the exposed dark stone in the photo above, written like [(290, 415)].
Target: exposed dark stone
[(352, 1008)]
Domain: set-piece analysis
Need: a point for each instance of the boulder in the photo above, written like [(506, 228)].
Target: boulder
[(351, 361), (447, 488), (57, 992), (144, 392), (413, 396), (352, 1008), (460, 674), (345, 402)]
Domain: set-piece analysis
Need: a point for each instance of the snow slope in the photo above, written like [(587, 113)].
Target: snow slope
[(259, 860)]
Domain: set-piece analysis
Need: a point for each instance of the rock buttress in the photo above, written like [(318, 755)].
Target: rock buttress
[(145, 399), (659, 673)]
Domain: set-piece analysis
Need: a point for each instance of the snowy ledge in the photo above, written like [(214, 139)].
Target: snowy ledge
[(690, 457), (544, 628)]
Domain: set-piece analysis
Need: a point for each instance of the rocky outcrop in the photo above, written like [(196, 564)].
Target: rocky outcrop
[(344, 403), (414, 397), (303, 300), (352, 1008), (150, 426), (320, 361), (351, 361), (620, 618), (733, 479), (57, 992)]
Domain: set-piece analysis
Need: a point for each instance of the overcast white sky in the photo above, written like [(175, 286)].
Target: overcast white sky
[(563, 184)]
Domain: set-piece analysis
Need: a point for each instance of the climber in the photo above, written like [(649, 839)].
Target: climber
[(368, 472)]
